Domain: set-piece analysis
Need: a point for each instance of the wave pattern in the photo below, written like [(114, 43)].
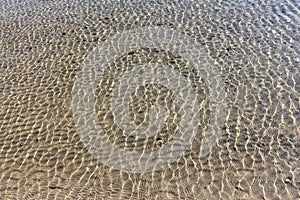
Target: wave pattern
[(254, 45)]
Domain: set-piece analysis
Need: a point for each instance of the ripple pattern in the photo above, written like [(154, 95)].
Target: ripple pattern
[(254, 45)]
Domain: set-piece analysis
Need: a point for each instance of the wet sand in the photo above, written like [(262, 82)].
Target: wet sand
[(254, 45)]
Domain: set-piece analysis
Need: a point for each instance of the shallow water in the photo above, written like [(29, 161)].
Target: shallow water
[(214, 85)]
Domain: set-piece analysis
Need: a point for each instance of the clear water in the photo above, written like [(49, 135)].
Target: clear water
[(149, 100)]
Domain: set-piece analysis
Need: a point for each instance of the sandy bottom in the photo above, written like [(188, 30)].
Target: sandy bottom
[(255, 47)]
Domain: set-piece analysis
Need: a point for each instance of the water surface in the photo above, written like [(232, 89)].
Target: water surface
[(254, 45)]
